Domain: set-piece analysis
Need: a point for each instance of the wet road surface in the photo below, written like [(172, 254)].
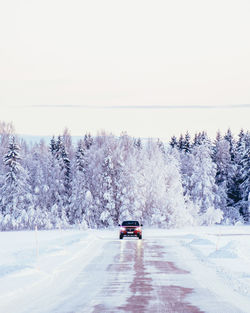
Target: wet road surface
[(146, 294), (130, 275)]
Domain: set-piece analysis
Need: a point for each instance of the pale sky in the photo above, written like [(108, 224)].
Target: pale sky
[(151, 68)]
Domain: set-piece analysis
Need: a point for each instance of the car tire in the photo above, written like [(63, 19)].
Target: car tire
[(140, 236), (121, 237)]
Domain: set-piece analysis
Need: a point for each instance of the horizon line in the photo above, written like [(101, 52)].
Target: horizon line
[(150, 107)]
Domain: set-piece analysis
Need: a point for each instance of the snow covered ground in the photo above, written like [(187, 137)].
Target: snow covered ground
[(37, 267)]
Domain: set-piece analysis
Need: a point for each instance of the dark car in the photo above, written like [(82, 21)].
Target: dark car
[(130, 229)]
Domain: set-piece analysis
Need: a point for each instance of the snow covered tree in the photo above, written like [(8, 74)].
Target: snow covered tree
[(67, 142), (16, 198), (201, 187), (6, 131), (187, 143), (173, 142), (88, 141), (53, 147), (200, 138), (107, 193), (37, 161), (236, 151), (78, 201), (161, 146), (224, 177), (100, 180), (243, 171), (80, 157), (164, 200), (65, 166), (138, 143), (196, 139), (57, 179), (229, 137), (181, 142)]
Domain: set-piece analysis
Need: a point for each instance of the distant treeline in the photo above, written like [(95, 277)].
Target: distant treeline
[(105, 179)]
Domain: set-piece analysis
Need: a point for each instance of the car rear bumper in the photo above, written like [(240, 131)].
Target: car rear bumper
[(130, 234)]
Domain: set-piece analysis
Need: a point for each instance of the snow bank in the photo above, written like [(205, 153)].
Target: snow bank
[(220, 257), (31, 261)]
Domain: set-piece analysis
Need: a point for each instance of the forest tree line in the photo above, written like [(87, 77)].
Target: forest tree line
[(104, 179)]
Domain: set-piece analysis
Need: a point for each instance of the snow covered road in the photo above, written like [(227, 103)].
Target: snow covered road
[(193, 270)]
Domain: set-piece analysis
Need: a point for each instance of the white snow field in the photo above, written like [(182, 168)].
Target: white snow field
[(66, 271)]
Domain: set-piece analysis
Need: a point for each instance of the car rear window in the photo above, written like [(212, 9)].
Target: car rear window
[(130, 223)]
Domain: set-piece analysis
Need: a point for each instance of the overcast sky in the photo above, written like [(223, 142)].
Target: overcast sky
[(151, 68)]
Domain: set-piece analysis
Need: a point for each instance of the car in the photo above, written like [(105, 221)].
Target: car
[(130, 229)]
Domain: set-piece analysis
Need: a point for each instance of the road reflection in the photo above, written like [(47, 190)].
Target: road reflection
[(141, 285), (140, 276)]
